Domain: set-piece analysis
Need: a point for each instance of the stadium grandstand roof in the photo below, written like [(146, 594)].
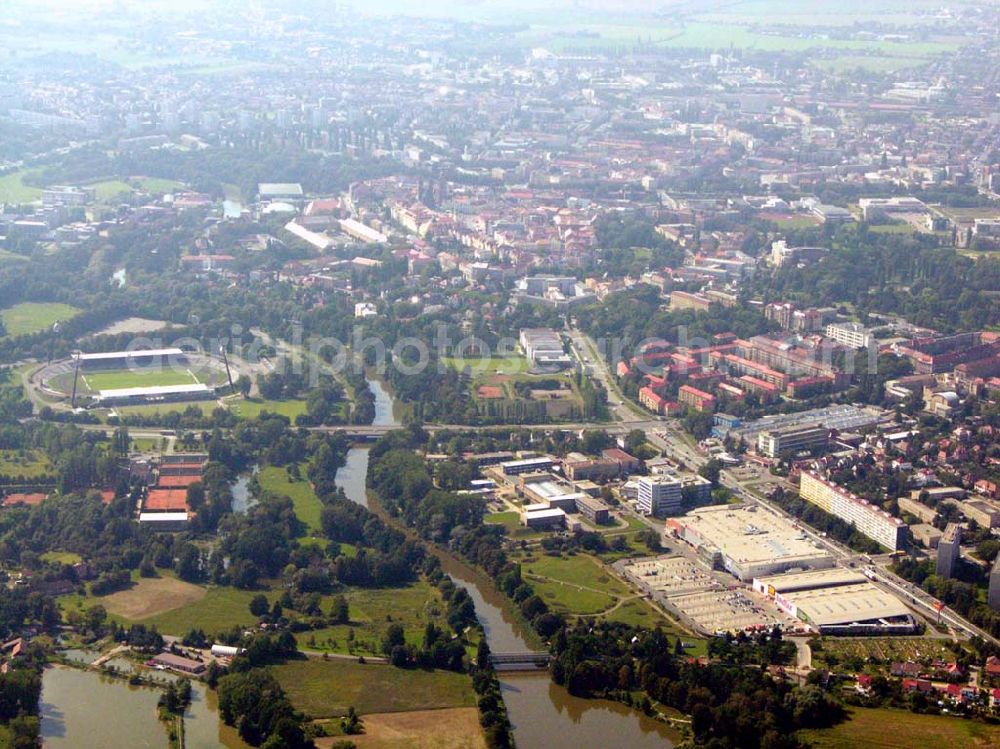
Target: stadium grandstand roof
[(110, 355), (158, 390)]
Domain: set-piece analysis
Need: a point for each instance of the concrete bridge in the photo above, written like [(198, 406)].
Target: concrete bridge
[(527, 661)]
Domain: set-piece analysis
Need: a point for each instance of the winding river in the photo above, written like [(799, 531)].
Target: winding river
[(544, 715)]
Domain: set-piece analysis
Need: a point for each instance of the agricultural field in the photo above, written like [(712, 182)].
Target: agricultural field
[(307, 504), (716, 35), (28, 463), (31, 317), (447, 728), (899, 729), (504, 394), (325, 688), (251, 408), (127, 378)]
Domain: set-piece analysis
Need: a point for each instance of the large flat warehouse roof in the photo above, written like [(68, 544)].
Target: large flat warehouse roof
[(749, 534), (846, 604), (828, 578)]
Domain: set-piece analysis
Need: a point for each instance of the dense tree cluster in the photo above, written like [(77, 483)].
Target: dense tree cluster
[(731, 706), (257, 706), (908, 275)]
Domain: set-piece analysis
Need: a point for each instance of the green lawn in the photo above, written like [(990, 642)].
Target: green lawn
[(328, 688), (32, 317), (219, 610), (61, 557), (510, 520), (580, 585), (899, 729), (13, 189), (307, 504), (371, 612), (488, 365), (111, 188), (205, 407), (573, 585), (28, 463), (251, 408), (153, 377), (156, 185)]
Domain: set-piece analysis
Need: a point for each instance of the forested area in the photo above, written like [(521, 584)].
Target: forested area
[(732, 706), (902, 274)]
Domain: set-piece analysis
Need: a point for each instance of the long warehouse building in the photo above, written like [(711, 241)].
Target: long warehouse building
[(838, 602), (868, 518), (749, 542)]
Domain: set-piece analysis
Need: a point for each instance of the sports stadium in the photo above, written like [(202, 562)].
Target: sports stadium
[(125, 378)]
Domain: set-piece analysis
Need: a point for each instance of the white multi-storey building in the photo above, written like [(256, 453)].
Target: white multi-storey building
[(659, 495), (870, 519), (850, 334)]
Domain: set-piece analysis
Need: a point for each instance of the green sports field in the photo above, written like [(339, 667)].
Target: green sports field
[(154, 377), (32, 317)]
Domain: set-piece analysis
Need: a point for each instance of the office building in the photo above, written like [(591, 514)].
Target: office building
[(870, 519), (792, 440), (528, 465), (591, 508), (659, 495)]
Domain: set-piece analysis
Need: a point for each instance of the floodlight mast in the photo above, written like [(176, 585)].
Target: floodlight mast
[(225, 359)]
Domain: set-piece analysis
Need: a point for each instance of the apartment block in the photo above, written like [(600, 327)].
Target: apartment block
[(948, 551), (870, 519)]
